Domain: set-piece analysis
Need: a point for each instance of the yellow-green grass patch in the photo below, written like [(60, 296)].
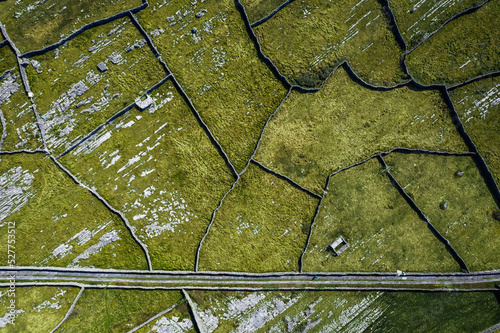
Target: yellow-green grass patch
[(258, 9), (417, 19), (33, 24), (461, 208), (56, 222), (467, 47), (478, 107), (159, 168), (383, 232), (115, 310), (307, 39), (315, 134), (36, 309), (73, 96), (262, 226), (218, 67)]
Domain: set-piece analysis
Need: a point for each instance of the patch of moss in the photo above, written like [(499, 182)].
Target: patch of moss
[(33, 24), (467, 47), (160, 169), (73, 96), (263, 223), (308, 39), (21, 129), (37, 309), (115, 310), (218, 67), (383, 232), (58, 223), (258, 9), (478, 108), (416, 20), (313, 135), (467, 222), (177, 320)]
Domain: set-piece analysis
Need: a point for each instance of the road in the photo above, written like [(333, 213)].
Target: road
[(227, 280)]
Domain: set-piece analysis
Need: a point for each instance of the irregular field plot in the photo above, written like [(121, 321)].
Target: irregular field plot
[(178, 320), (218, 67), (21, 131), (328, 311), (307, 39), (478, 107), (114, 310), (258, 9), (37, 309), (468, 221), (382, 230), (263, 223), (160, 169), (57, 222), (73, 96), (418, 19), (33, 24), (466, 47), (313, 135)]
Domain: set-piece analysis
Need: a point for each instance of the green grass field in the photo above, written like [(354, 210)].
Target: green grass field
[(167, 171), (21, 130), (218, 67), (479, 111), (33, 25), (346, 311), (37, 309), (257, 9), (383, 232), (73, 97), (465, 48), (263, 224), (417, 19), (58, 223), (313, 135), (114, 310), (307, 40), (467, 221)]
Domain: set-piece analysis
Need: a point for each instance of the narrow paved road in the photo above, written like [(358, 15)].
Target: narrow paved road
[(482, 280)]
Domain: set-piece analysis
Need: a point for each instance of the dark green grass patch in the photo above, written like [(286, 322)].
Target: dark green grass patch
[(73, 96), (465, 48), (58, 223), (160, 169), (21, 129), (460, 207), (417, 19), (383, 232), (33, 25), (218, 67), (114, 310), (313, 135), (478, 107), (308, 39), (262, 226)]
